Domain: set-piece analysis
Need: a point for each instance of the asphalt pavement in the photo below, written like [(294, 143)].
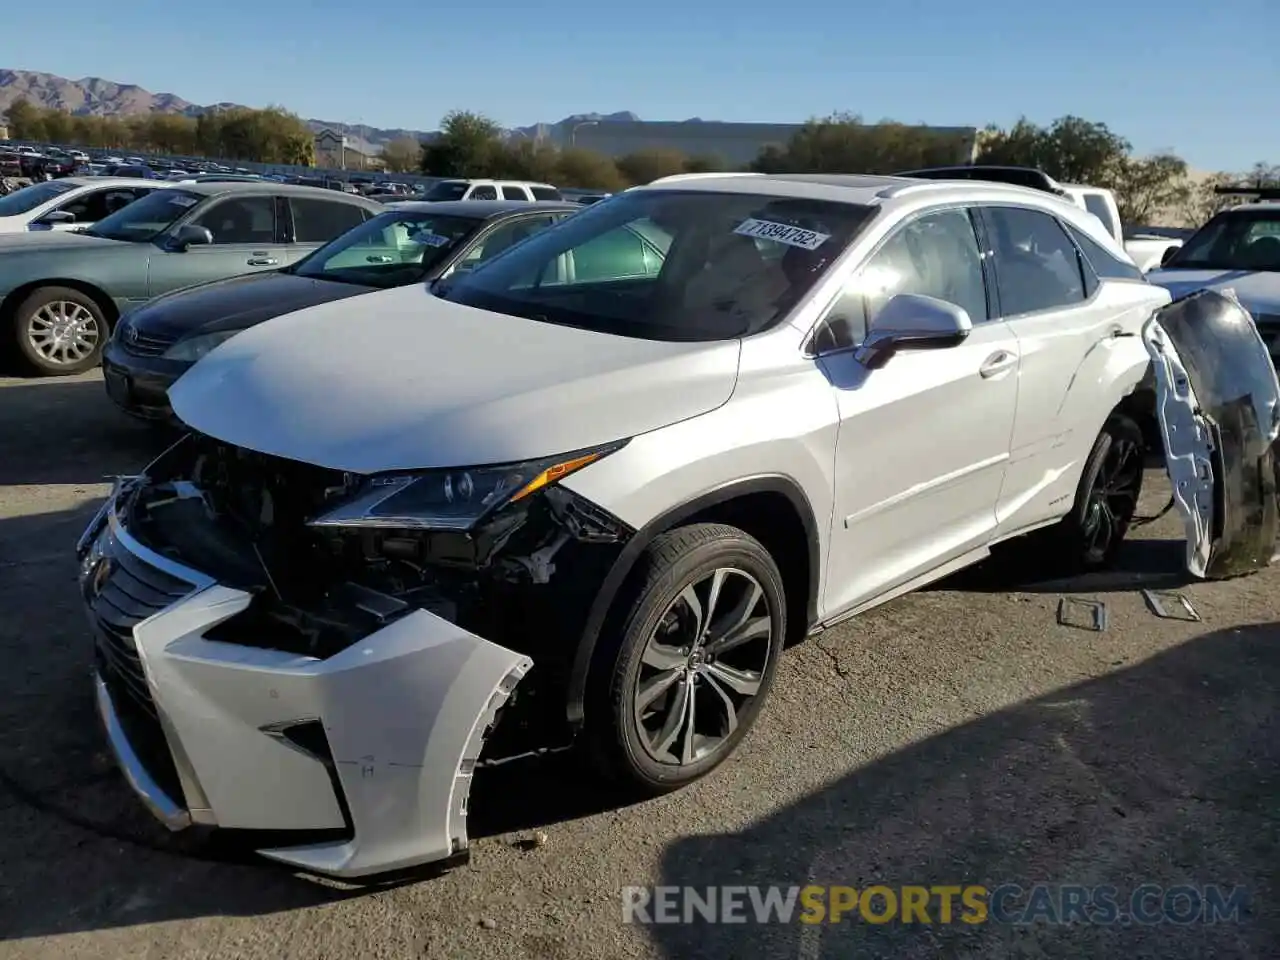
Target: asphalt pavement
[(956, 736)]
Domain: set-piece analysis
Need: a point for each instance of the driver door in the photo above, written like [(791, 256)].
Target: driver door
[(923, 441), (247, 238)]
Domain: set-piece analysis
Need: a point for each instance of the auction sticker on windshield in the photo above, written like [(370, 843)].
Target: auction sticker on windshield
[(782, 233), (183, 201), (427, 238)]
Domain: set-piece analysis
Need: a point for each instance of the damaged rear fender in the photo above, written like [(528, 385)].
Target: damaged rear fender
[(405, 713), (1218, 406)]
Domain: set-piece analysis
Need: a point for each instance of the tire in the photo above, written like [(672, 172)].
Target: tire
[(625, 737), (49, 311), (1115, 463)]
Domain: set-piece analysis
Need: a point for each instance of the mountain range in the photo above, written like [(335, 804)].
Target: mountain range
[(93, 96)]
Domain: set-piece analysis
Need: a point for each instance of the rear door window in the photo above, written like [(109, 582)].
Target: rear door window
[(1037, 265), (511, 191), (319, 221)]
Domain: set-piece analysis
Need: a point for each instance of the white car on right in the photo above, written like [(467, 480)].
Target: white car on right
[(68, 203), (1237, 250)]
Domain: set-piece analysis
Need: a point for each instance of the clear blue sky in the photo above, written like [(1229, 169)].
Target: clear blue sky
[(1201, 78)]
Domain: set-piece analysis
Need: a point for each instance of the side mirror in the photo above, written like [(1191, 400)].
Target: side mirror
[(57, 216), (190, 235), (1168, 255), (912, 322)]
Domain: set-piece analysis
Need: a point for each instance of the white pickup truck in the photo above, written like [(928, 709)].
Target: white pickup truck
[(1147, 250)]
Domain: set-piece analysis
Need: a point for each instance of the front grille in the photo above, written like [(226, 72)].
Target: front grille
[(145, 344), (133, 591)]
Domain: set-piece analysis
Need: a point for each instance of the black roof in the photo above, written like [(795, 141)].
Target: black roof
[(1014, 176)]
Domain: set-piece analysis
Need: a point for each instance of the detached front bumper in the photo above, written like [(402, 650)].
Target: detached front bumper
[(367, 755)]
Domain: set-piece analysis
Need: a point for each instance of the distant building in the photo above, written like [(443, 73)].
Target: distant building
[(736, 143), (4, 132), (334, 151)]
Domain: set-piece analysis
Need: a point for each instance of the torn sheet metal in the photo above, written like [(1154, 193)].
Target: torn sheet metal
[(1218, 404)]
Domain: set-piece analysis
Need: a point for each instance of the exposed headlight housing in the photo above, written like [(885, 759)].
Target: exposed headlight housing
[(452, 500), (193, 349)]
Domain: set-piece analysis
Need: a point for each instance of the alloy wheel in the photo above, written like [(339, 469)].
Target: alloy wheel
[(63, 332), (1113, 499), (702, 666)]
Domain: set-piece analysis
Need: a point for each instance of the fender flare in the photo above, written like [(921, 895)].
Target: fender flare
[(640, 540)]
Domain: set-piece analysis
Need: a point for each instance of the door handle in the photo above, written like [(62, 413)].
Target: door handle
[(998, 362), (262, 261)]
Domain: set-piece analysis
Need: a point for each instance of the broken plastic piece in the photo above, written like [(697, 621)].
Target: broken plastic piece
[(1158, 603), (1094, 610)]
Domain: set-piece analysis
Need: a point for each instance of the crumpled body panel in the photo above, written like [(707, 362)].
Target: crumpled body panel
[(1219, 411)]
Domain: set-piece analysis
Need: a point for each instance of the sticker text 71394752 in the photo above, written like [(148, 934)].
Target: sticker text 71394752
[(782, 233)]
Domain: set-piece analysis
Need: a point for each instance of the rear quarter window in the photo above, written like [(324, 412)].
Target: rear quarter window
[(1105, 264)]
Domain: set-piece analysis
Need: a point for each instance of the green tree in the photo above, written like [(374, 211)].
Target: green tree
[(469, 145), (706, 163), (527, 159), (402, 155), (588, 170), (645, 166), (842, 143), (1151, 188), (26, 121), (1070, 149)]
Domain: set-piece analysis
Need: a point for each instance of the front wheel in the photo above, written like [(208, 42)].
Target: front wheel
[(692, 655), (59, 331)]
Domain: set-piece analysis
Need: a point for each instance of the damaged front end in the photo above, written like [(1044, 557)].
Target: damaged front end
[(1218, 405), (281, 647)]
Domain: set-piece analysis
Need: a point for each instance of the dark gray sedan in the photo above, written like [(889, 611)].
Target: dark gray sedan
[(409, 243)]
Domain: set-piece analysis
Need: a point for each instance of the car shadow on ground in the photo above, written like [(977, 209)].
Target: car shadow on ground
[(1165, 773), (66, 430)]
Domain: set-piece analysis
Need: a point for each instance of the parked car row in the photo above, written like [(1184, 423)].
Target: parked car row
[(465, 480)]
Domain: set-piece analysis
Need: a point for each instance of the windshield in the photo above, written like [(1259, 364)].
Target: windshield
[(28, 198), (391, 250), (145, 219), (669, 265), (1234, 240), (449, 190)]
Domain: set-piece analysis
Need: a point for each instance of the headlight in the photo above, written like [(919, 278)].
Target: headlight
[(195, 348), (452, 499)]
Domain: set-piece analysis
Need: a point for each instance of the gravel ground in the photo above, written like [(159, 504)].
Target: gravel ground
[(959, 735)]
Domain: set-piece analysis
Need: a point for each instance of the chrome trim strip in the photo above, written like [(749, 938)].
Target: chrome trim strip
[(148, 791), (199, 581)]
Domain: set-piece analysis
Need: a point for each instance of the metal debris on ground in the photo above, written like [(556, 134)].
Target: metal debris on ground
[(1161, 603), (1082, 614)]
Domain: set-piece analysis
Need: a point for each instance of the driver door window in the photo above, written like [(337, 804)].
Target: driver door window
[(935, 255), (484, 193), (244, 220)]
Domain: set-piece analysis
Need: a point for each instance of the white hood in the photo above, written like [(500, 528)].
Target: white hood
[(401, 380), (1258, 291)]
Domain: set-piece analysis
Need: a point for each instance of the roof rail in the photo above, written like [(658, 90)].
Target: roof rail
[(1262, 193), (1028, 177), (677, 177)]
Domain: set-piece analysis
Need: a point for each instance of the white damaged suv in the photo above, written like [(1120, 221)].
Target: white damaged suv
[(589, 492)]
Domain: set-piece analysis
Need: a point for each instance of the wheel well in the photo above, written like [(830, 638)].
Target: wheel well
[(1140, 406), (104, 302), (772, 519)]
